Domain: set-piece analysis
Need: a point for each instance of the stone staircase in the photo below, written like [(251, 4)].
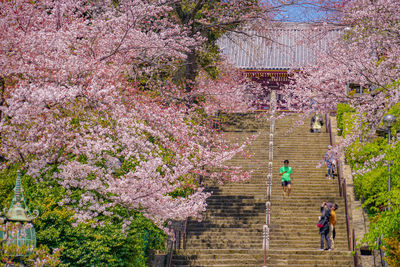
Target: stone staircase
[(231, 231)]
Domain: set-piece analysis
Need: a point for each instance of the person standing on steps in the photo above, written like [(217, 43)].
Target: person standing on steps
[(316, 123), (286, 171), (323, 225), (329, 163), (332, 223)]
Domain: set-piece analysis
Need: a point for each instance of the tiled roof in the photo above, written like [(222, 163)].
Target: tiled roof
[(282, 46)]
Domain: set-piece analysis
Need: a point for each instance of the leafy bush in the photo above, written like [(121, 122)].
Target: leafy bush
[(369, 162), (393, 250), (350, 121), (108, 242), (341, 110), (386, 224)]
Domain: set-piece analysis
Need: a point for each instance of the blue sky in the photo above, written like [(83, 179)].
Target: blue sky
[(300, 13)]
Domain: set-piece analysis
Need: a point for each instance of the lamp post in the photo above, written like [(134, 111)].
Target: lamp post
[(389, 120)]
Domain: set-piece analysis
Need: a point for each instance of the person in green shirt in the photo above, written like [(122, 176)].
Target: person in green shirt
[(286, 171)]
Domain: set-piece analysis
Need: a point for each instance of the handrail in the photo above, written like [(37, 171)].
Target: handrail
[(354, 250), (266, 226), (338, 167), (342, 185), (329, 126), (185, 234), (171, 249), (347, 213), (268, 209), (265, 234), (340, 175), (326, 122), (179, 229)]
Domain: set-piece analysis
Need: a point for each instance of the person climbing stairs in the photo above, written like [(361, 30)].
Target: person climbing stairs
[(231, 233)]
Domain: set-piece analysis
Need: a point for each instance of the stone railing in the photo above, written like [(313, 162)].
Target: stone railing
[(266, 227)]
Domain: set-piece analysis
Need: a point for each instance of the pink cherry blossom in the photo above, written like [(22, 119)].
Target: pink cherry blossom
[(71, 71)]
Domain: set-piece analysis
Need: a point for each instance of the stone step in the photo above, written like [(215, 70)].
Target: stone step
[(299, 190), (196, 230), (212, 257), (302, 235), (236, 212), (242, 222), (276, 188), (257, 192), (275, 229), (258, 262), (257, 243), (218, 207), (204, 245), (275, 210), (302, 181), (252, 237), (278, 252), (276, 216), (224, 231)]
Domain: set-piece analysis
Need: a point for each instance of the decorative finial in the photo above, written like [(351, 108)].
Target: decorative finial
[(18, 209), (18, 188)]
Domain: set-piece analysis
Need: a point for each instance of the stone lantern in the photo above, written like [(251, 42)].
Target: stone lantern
[(19, 212)]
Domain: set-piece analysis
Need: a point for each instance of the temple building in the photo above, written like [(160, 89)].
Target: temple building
[(265, 54)]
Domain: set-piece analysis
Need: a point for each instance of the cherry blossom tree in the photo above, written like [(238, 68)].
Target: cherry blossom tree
[(211, 19), (83, 89), (367, 55)]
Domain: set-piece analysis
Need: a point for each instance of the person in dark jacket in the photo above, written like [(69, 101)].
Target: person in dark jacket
[(323, 225)]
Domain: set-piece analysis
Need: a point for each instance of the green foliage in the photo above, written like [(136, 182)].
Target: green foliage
[(34, 257), (102, 243), (392, 248), (189, 182), (350, 121), (372, 185), (341, 110), (209, 57), (90, 245), (385, 224)]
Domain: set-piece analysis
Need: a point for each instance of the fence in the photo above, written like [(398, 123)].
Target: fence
[(266, 226), (179, 241), (354, 249), (343, 193)]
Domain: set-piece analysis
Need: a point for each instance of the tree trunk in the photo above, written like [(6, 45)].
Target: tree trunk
[(190, 69)]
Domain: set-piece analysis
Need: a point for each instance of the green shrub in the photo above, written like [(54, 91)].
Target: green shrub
[(350, 121), (372, 185), (392, 249), (342, 109), (87, 244)]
